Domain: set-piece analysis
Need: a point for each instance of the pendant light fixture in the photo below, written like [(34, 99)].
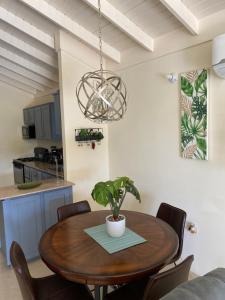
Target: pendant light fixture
[(101, 94)]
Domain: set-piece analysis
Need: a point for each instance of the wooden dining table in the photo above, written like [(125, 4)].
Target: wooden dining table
[(69, 251)]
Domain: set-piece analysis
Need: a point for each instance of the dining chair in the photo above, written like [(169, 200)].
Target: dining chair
[(52, 287), (176, 218), (73, 209), (156, 286)]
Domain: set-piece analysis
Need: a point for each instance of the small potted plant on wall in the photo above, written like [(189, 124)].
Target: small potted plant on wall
[(114, 193)]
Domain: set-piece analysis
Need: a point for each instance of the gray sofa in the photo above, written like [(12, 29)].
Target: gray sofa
[(208, 287)]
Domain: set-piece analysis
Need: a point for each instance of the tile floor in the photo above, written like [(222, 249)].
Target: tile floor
[(9, 289)]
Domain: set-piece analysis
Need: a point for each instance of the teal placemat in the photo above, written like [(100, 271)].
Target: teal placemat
[(112, 244)]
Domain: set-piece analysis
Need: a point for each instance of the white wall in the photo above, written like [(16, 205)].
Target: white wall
[(11, 120), (83, 166), (145, 146)]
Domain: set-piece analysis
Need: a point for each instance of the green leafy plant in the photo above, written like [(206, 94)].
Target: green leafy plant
[(89, 134), (84, 134), (186, 86), (114, 192)]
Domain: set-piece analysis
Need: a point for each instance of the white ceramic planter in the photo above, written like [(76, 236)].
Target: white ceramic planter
[(115, 228)]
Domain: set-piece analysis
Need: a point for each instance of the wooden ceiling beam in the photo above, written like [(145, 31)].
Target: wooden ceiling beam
[(25, 73), (21, 79), (17, 84), (56, 16), (123, 23), (28, 64), (183, 14), (27, 28), (28, 49)]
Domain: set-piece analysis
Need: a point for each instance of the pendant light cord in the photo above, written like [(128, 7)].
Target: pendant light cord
[(101, 94), (100, 35)]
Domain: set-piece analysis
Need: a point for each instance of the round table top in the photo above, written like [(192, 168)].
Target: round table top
[(69, 251)]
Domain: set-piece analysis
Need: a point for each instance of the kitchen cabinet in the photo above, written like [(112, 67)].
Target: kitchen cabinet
[(31, 174), (18, 172), (45, 175), (2, 236), (23, 223), (46, 118), (43, 121), (27, 176), (28, 116), (53, 200), (25, 218), (46, 121), (35, 175), (38, 122)]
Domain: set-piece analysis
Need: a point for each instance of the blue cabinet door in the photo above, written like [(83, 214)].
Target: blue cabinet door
[(27, 174), (28, 116), (35, 175), (46, 118), (23, 223), (43, 126), (52, 200), (27, 171), (31, 116), (2, 234), (46, 121), (45, 176), (38, 122)]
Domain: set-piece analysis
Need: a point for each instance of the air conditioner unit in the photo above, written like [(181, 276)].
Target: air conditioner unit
[(218, 55)]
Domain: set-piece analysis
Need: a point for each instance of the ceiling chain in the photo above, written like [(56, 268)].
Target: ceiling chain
[(100, 34), (101, 94)]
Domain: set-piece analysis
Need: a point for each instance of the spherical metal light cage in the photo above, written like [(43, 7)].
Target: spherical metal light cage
[(102, 96)]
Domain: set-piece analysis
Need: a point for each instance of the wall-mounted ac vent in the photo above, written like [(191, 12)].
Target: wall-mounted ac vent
[(220, 68), (218, 55)]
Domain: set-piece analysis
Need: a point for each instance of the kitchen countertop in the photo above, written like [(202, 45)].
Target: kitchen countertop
[(43, 166), (12, 191)]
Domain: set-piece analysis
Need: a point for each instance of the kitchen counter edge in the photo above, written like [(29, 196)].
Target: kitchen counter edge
[(41, 166), (9, 192)]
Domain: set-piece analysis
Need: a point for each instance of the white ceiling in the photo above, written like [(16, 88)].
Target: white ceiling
[(27, 36)]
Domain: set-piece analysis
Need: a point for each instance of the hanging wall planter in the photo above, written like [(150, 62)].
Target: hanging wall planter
[(89, 136)]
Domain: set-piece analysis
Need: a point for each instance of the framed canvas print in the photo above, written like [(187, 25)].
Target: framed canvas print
[(194, 114)]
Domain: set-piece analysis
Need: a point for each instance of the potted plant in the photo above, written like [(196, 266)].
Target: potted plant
[(114, 193), (88, 134)]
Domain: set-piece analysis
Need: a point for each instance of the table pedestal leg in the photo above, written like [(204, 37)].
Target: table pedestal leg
[(97, 292), (105, 290), (100, 292)]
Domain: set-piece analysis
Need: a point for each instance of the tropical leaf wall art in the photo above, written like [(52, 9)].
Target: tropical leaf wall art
[(194, 115)]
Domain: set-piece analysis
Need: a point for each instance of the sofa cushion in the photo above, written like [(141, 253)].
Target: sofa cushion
[(208, 287)]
